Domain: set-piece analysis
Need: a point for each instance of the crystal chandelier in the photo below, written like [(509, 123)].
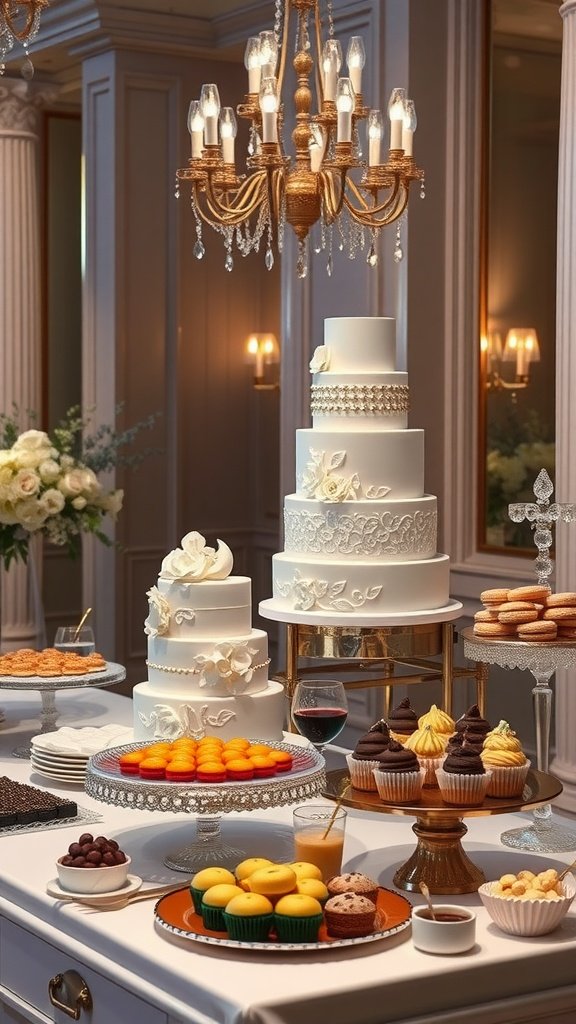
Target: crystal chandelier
[(19, 23), (326, 183)]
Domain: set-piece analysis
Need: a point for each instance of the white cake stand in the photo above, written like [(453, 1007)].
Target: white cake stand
[(48, 685), (542, 660), (105, 782)]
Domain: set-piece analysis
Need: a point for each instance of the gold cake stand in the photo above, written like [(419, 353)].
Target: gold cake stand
[(439, 858)]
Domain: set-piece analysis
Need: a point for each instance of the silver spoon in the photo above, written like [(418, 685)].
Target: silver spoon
[(426, 894)]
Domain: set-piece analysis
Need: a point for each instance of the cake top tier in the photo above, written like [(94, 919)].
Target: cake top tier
[(194, 561), (358, 344)]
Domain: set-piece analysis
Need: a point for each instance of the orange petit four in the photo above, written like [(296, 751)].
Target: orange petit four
[(153, 768), (129, 763), (283, 760), (237, 743), (180, 771), (241, 768), (211, 772), (257, 748), (264, 766)]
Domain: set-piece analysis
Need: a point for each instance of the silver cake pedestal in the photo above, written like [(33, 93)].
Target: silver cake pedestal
[(210, 801)]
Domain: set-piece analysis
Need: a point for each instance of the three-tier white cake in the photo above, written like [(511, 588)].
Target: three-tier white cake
[(360, 533), (207, 666)]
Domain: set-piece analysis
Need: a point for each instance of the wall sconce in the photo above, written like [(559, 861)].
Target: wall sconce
[(263, 352), (520, 347)]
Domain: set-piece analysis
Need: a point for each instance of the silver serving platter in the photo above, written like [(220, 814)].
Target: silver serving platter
[(105, 782)]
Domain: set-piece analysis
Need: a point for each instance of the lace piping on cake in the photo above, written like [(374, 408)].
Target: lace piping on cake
[(359, 398), (309, 594), (320, 480), (170, 723), (332, 533)]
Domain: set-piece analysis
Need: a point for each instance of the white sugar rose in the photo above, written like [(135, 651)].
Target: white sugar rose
[(32, 440), (336, 488), (52, 502), (229, 663), (49, 471), (196, 561), (320, 360), (25, 484), (158, 621), (304, 596), (71, 483)]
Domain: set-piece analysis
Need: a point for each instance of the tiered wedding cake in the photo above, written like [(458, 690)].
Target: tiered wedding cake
[(207, 666), (360, 533)]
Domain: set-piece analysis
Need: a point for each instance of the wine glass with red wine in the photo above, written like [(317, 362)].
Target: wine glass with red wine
[(319, 710)]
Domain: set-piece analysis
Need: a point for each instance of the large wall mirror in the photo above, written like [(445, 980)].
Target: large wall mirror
[(517, 345)]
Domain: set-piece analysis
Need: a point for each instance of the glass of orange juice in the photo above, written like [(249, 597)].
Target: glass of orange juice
[(319, 836)]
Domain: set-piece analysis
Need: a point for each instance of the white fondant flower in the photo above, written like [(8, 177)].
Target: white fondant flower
[(304, 596), (195, 561), (228, 662), (320, 360), (158, 620), (320, 481), (338, 488)]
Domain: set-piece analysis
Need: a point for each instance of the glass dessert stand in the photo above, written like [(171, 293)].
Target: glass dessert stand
[(542, 660), (105, 782), (48, 685), (439, 858)]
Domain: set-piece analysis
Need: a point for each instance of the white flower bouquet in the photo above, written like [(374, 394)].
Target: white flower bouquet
[(49, 484)]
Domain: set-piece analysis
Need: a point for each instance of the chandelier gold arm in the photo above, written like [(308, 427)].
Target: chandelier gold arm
[(12, 10), (377, 216), (246, 200)]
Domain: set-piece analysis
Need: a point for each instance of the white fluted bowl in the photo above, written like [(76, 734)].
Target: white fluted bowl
[(516, 916)]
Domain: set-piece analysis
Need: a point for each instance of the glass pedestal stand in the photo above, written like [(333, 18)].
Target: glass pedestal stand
[(543, 835), (105, 782), (47, 686), (439, 858)]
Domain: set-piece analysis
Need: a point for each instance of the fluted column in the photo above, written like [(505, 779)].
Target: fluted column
[(20, 309), (564, 764)]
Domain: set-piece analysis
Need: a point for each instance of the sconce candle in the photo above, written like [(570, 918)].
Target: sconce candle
[(252, 64), (356, 59), (331, 64), (228, 130), (396, 109), (269, 108), (375, 136)]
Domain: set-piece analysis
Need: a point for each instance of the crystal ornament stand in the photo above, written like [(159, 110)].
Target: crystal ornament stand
[(541, 514), (105, 782), (542, 660), (439, 859), (48, 686)]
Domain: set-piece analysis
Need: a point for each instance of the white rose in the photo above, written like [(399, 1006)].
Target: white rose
[(90, 485), (25, 484), (32, 440), (66, 461), (49, 471), (52, 502), (320, 360), (112, 502), (71, 483), (30, 514), (7, 457), (335, 488), (29, 458), (79, 503)]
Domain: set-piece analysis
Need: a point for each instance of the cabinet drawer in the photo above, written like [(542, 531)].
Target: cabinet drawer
[(27, 963)]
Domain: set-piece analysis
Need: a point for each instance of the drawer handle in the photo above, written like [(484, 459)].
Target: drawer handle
[(77, 990)]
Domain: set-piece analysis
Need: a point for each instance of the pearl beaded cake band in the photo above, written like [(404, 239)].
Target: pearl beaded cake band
[(359, 398), (199, 671)]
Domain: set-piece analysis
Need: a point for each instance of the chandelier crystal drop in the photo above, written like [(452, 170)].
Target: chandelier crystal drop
[(19, 23), (326, 183)]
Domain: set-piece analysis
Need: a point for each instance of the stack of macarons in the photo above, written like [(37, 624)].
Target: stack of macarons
[(207, 760), (530, 613)]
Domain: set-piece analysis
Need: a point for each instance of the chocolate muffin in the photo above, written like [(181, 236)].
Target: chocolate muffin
[(349, 916), (353, 882)]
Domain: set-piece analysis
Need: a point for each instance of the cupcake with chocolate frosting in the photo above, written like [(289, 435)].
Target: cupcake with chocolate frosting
[(464, 739), (463, 779), (473, 723), (366, 753), (399, 777), (403, 721), (502, 754)]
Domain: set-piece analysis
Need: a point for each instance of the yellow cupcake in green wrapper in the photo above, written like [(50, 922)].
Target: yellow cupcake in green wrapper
[(297, 918), (249, 917), (206, 878), (214, 900)]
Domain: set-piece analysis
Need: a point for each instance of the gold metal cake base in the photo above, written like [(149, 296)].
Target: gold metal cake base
[(439, 858)]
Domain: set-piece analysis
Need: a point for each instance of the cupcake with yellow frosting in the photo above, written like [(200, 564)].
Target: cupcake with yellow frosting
[(249, 917), (214, 900), (313, 887), (440, 721), (428, 746), (502, 753), (204, 879), (297, 918)]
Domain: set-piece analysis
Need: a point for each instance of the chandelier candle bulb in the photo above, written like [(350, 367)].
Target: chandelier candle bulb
[(210, 109), (268, 54), (228, 130), (356, 59), (375, 136), (344, 106), (331, 64), (252, 64), (196, 129), (409, 127), (396, 110), (269, 108)]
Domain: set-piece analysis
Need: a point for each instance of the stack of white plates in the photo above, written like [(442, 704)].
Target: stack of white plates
[(63, 755)]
